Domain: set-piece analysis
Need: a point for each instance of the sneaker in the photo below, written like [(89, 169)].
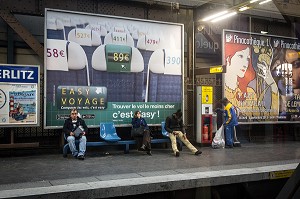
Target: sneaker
[(80, 157), (198, 152), (177, 154), (149, 153), (143, 148)]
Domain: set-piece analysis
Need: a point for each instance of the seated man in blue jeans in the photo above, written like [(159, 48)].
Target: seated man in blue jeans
[(71, 126)]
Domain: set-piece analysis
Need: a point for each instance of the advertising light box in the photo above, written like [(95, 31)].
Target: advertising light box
[(262, 77), (109, 67)]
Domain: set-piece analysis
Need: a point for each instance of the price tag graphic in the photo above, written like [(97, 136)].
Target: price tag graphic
[(172, 62), (100, 29), (119, 38), (118, 58), (152, 42), (56, 55), (119, 29), (83, 36)]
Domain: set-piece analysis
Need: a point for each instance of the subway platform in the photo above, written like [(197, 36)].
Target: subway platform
[(111, 173)]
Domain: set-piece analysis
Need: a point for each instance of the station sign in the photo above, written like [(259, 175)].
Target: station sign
[(216, 69)]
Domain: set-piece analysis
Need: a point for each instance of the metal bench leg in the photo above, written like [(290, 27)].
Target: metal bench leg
[(126, 148), (65, 150)]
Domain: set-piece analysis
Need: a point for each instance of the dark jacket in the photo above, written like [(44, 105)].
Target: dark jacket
[(68, 126), (137, 122), (174, 124)]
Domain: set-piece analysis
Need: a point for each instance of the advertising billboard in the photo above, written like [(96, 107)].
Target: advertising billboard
[(109, 67), (262, 78), (19, 91)]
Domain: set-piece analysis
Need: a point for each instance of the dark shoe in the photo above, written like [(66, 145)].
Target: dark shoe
[(149, 153), (229, 146), (143, 148), (80, 157), (198, 152), (177, 154)]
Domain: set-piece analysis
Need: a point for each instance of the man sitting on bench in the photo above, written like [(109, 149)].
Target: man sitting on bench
[(174, 126), (75, 129)]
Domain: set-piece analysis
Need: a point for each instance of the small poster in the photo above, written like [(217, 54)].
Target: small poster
[(18, 101)]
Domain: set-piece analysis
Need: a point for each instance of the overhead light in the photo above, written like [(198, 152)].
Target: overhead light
[(263, 32), (241, 9), (215, 15), (224, 17), (253, 1), (263, 2)]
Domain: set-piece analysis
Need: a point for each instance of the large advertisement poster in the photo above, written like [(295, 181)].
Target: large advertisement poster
[(19, 95), (262, 78), (109, 67)]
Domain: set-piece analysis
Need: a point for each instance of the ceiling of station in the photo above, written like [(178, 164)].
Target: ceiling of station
[(278, 7), (190, 3)]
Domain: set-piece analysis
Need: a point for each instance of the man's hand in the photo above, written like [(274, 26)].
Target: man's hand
[(83, 133), (72, 134), (174, 133)]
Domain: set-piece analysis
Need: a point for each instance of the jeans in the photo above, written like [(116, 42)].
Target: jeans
[(82, 145), (229, 132), (185, 141)]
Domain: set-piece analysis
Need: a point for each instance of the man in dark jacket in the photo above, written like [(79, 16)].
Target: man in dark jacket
[(75, 128), (174, 126)]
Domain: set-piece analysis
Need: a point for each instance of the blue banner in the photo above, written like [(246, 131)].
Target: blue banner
[(19, 74)]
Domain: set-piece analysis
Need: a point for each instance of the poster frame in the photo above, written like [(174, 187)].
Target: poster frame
[(223, 75), (37, 123), (112, 17)]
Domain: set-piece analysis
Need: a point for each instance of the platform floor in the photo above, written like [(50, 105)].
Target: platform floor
[(107, 173)]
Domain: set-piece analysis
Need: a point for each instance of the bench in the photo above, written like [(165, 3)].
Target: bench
[(109, 136)]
